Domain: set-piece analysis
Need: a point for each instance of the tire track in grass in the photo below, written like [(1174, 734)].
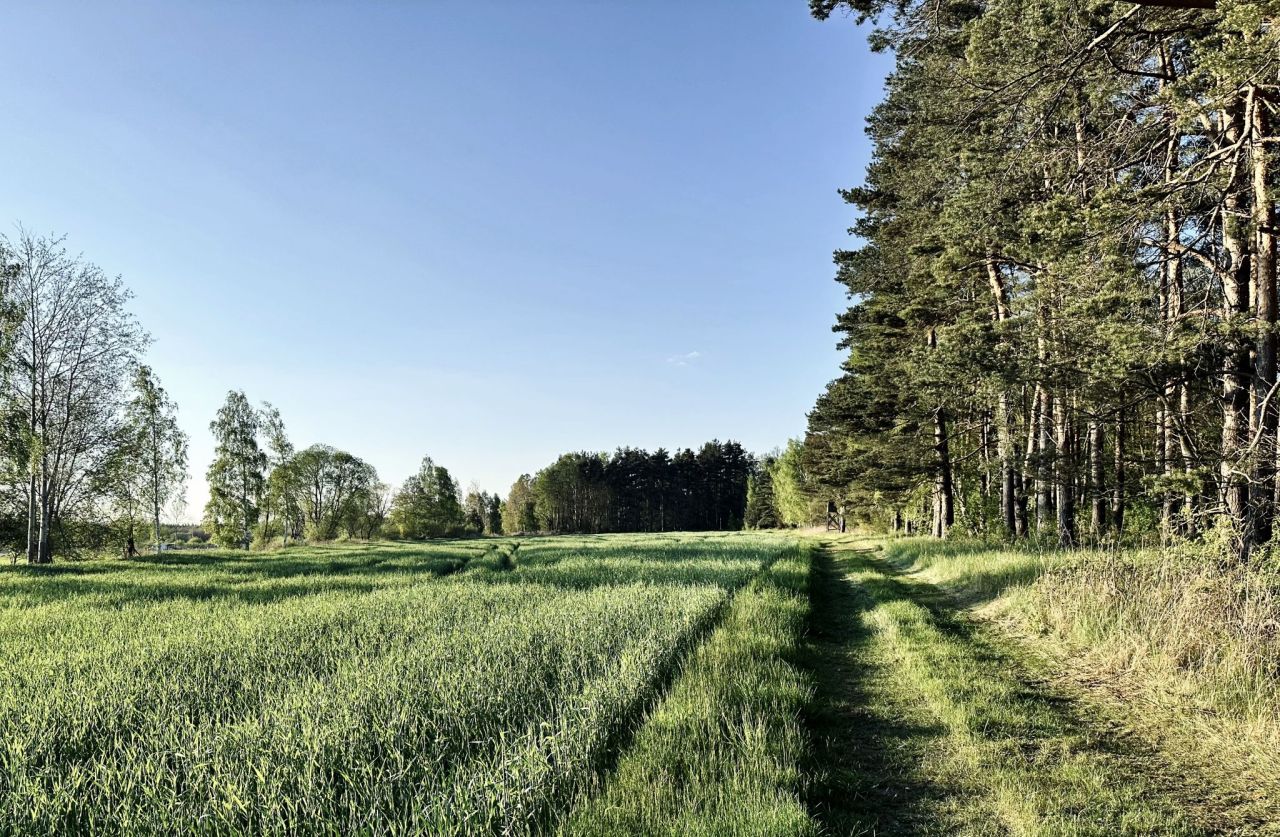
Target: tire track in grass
[(574, 760), (871, 737), (931, 726), (719, 749)]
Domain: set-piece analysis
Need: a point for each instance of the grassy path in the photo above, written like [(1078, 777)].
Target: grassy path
[(925, 722)]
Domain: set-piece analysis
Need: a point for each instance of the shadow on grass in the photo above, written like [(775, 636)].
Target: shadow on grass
[(1040, 712), (866, 779), (1003, 566), (872, 783), (256, 578)]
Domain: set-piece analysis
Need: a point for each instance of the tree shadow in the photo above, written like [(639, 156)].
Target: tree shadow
[(1045, 730), (247, 577), (865, 776), (973, 587)]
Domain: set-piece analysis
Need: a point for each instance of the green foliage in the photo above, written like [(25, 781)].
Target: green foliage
[(634, 490), (68, 347), (157, 446), (483, 511), (762, 508), (1043, 318), (570, 494), (335, 490), (493, 515), (519, 514), (428, 505), (793, 493), (237, 476)]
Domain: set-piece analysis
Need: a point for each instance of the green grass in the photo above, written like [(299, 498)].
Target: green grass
[(724, 752), (640, 684), (970, 742), (464, 687), (1174, 645)]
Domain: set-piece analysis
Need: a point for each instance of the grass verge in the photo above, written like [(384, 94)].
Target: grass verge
[(723, 751), (975, 746), (1173, 645)]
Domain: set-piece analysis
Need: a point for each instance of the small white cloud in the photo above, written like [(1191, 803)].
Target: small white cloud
[(684, 359)]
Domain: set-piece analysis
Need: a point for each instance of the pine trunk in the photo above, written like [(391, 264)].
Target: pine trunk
[(1118, 499), (1047, 459), (1238, 368), (945, 507), (1097, 480), (1263, 484), (1008, 471), (1064, 474)]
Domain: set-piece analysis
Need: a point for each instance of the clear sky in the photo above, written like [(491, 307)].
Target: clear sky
[(488, 232)]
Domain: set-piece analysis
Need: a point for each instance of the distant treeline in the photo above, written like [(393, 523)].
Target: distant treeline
[(264, 491), (92, 457), (633, 490)]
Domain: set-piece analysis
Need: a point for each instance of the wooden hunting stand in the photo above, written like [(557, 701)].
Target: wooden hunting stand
[(835, 520)]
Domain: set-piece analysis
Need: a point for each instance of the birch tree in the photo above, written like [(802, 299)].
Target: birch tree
[(237, 476), (160, 445), (67, 376)]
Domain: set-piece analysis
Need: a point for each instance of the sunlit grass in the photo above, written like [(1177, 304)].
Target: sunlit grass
[(1185, 641), (1015, 759), (724, 752), (453, 687)]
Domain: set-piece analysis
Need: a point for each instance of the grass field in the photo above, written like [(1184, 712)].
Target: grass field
[(459, 687), (708, 684), (941, 728), (971, 688), (725, 751)]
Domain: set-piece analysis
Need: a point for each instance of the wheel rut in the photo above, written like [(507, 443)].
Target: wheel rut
[(925, 721)]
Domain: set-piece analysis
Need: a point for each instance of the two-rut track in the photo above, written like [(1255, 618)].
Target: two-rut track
[(927, 721)]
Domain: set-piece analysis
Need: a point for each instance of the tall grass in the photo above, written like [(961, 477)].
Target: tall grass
[(1184, 642), (722, 752), (397, 690)]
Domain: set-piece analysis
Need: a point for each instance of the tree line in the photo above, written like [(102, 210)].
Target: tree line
[(92, 458), (1063, 302), (263, 491), (90, 448), (632, 490)]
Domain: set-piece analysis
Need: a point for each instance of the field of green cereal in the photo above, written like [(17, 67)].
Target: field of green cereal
[(481, 686)]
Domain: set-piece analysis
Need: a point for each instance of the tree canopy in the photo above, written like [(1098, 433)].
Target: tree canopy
[(1063, 297), (633, 490)]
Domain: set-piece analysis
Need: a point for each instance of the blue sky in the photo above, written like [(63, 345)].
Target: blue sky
[(490, 232)]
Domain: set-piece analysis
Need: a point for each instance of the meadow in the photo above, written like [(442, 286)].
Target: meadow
[(474, 686), (1175, 647), (708, 684)]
